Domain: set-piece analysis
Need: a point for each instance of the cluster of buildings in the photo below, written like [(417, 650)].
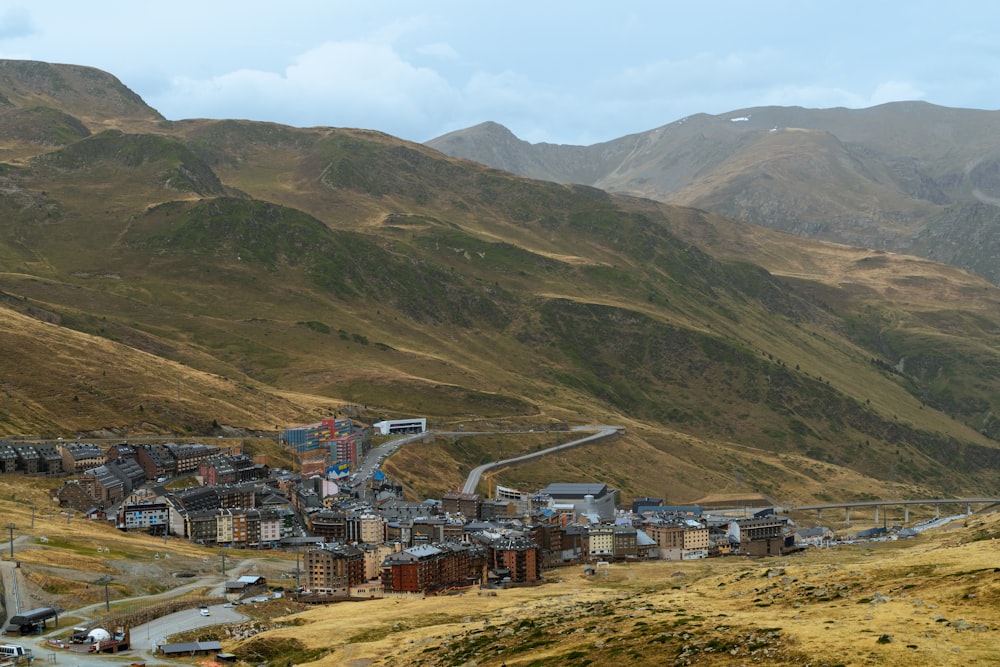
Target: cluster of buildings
[(368, 541)]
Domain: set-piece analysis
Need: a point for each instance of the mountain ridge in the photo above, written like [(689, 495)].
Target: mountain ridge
[(897, 175), (295, 273)]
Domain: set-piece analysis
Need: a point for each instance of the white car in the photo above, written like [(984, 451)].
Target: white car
[(204, 611)]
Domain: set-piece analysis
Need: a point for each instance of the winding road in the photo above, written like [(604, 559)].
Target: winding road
[(599, 433)]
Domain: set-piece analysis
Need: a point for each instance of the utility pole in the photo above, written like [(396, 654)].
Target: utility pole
[(297, 584), (223, 564), (106, 579), (11, 527), (33, 516)]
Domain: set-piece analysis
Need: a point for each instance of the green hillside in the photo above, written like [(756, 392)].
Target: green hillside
[(251, 275)]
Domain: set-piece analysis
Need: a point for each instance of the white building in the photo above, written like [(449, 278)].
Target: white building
[(394, 426)]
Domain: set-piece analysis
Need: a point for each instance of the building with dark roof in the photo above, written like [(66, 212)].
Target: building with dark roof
[(189, 457), (28, 460), (156, 460), (228, 469), (334, 568), (129, 472), (105, 487), (81, 456), (8, 457), (197, 499), (466, 504), (518, 556), (50, 460), (237, 496), (432, 568)]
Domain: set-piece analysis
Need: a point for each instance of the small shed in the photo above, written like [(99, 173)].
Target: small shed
[(246, 584), (191, 648)]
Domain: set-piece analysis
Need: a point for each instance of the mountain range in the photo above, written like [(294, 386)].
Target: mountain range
[(203, 277), (906, 177)]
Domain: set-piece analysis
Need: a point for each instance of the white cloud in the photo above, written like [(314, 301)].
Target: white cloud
[(438, 50), (356, 84), (15, 22)]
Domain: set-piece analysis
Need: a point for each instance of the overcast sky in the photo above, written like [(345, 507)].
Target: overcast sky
[(576, 72)]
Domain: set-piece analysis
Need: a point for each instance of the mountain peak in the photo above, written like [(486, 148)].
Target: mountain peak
[(87, 93)]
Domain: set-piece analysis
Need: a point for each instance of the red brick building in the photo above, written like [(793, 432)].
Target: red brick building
[(430, 568), (519, 556)]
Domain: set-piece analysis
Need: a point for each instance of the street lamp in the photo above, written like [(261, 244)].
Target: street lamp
[(106, 579), (11, 527)]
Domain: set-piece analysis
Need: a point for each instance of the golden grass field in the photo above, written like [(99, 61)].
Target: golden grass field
[(928, 601)]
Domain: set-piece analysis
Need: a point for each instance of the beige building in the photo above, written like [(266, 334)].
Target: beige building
[(601, 542), (678, 538)]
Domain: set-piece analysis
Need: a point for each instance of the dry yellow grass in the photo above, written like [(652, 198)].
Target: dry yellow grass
[(927, 601)]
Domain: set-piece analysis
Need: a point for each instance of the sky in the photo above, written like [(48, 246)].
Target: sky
[(551, 71)]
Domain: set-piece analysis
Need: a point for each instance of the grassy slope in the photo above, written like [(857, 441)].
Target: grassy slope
[(925, 602), (386, 276)]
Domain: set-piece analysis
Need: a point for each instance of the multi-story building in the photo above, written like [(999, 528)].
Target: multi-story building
[(229, 469), (128, 471), (200, 526), (122, 450), (334, 568), (428, 567), (601, 542), (346, 448), (156, 460), (198, 498), (8, 457), (237, 496), (80, 456), (148, 516), (626, 542), (375, 555), (50, 459), (103, 485), (224, 526), (466, 504), (518, 557), (189, 457), (677, 537), (372, 528), (28, 460), (270, 526), (330, 525), (762, 536)]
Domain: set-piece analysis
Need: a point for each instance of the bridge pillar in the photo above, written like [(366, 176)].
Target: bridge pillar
[(906, 514), (819, 514), (876, 514), (937, 510), (968, 508), (847, 516)]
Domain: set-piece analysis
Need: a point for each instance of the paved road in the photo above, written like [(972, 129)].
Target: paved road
[(143, 637), (600, 432)]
